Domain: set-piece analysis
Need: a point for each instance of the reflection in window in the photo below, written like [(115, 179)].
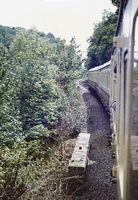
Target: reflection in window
[(135, 84)]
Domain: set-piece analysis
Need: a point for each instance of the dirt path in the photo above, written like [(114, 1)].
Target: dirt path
[(98, 185)]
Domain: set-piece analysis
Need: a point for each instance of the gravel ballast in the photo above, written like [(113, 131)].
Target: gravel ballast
[(98, 184)]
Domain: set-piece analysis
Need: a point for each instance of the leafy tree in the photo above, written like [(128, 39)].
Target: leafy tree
[(6, 35), (38, 98), (100, 43), (68, 60), (44, 74), (37, 75), (116, 3), (10, 124), (36, 86)]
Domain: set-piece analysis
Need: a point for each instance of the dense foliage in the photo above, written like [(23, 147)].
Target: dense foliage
[(116, 3), (38, 99), (100, 43)]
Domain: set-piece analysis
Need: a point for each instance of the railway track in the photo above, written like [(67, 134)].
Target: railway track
[(98, 184)]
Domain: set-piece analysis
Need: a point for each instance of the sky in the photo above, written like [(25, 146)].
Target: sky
[(63, 18)]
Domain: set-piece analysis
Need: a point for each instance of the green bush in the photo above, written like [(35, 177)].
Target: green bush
[(38, 99)]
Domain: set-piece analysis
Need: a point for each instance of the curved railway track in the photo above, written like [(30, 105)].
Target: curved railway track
[(98, 185)]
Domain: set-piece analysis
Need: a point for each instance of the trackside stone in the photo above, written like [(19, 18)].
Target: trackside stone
[(78, 161)]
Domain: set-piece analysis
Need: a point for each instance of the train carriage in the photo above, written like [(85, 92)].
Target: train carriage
[(116, 83), (99, 80)]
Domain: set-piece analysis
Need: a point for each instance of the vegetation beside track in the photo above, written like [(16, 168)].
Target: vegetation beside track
[(39, 105)]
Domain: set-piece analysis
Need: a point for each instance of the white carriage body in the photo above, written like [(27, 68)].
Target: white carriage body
[(116, 83)]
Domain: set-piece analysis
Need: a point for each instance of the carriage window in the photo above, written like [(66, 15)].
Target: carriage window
[(135, 84)]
